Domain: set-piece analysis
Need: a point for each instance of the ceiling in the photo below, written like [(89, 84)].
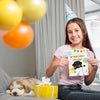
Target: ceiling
[(92, 6)]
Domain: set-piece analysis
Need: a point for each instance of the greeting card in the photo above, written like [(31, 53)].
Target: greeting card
[(78, 65)]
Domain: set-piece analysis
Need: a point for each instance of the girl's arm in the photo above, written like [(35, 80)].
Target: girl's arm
[(93, 66), (54, 64)]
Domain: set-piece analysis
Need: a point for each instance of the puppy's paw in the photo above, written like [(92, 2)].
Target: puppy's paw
[(25, 94), (8, 92), (31, 93)]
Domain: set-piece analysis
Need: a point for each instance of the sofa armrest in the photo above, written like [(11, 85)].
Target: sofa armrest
[(4, 80)]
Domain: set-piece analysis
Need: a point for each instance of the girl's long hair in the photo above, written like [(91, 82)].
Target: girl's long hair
[(86, 42)]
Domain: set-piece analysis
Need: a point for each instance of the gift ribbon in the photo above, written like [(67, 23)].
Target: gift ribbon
[(52, 91), (38, 91)]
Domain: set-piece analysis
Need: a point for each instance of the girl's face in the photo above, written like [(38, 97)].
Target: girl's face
[(74, 34)]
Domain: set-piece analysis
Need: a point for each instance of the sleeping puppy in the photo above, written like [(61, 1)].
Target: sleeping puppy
[(22, 87)]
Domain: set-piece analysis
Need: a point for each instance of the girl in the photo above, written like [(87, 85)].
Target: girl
[(69, 88)]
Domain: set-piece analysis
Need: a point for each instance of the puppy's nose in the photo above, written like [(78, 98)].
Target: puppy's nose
[(15, 93)]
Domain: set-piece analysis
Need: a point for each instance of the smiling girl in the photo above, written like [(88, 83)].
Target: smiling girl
[(70, 87)]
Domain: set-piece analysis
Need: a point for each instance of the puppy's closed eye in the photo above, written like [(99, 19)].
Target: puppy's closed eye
[(10, 89), (20, 88)]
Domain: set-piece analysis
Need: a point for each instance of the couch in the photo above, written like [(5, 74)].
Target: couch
[(4, 82)]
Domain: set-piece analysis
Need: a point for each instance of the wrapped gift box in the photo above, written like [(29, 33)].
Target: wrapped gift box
[(45, 91)]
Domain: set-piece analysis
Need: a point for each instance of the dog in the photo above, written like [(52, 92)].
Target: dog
[(77, 64), (22, 87)]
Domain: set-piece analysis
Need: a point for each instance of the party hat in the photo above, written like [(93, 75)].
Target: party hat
[(69, 13)]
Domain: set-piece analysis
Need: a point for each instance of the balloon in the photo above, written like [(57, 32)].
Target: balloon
[(69, 13), (19, 37), (33, 10), (10, 14), (2, 33)]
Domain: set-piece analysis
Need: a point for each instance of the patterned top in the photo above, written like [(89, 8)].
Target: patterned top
[(64, 78)]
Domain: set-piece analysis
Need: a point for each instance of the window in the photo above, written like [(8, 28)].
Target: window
[(92, 19)]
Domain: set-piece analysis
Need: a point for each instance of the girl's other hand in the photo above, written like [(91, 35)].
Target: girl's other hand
[(93, 62), (54, 64), (63, 62)]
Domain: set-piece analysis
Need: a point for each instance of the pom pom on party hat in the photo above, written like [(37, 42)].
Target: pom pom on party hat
[(69, 13)]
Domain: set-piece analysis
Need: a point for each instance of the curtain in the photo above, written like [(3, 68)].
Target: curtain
[(50, 34)]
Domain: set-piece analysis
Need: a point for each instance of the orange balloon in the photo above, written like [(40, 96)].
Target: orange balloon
[(19, 37)]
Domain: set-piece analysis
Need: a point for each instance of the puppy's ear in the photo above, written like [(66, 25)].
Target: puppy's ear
[(27, 88)]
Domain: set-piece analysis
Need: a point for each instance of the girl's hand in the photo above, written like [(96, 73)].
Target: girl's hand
[(93, 62), (63, 62), (54, 64)]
